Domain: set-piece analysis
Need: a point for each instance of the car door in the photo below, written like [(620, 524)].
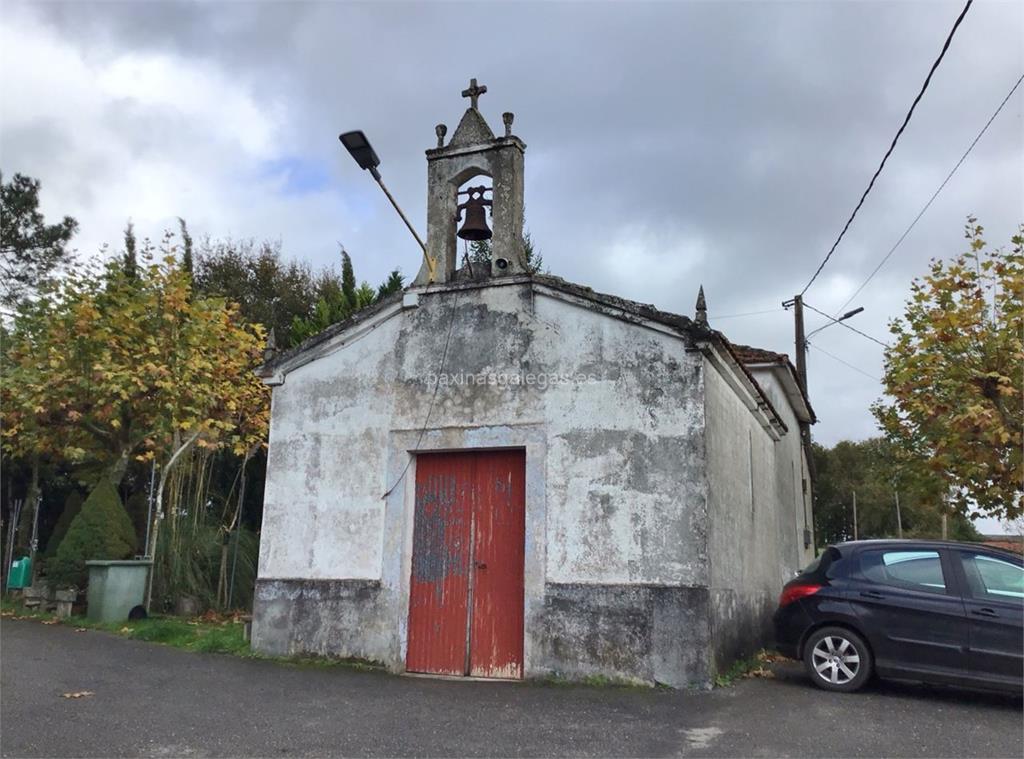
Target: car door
[(994, 600), (910, 608)]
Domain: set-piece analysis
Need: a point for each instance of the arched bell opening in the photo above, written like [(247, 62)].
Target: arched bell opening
[(474, 204)]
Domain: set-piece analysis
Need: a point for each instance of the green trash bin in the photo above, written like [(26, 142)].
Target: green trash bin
[(115, 588), (20, 574)]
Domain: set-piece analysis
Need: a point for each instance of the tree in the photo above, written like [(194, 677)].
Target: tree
[(116, 365), (101, 530), (480, 254), (338, 300), (953, 376), (393, 284), (72, 507), (268, 290), (31, 250), (877, 472)]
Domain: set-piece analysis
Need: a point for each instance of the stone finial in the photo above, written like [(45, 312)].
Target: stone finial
[(473, 93), (271, 348), (508, 117), (440, 130), (701, 316)]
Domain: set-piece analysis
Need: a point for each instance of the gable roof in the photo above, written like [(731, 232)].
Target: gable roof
[(752, 356), (602, 302)]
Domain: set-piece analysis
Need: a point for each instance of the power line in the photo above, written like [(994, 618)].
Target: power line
[(748, 313), (844, 324), (844, 363), (892, 146), (935, 195)]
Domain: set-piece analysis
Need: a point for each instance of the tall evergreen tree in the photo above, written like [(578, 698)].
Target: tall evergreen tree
[(130, 257), (30, 249)]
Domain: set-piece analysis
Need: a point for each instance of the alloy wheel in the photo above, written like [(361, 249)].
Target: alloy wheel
[(835, 660)]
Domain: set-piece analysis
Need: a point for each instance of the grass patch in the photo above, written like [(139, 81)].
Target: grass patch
[(209, 634), (753, 666)]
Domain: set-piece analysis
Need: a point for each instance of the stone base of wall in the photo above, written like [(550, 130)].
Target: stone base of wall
[(650, 634), (343, 618), (741, 624), (645, 634)]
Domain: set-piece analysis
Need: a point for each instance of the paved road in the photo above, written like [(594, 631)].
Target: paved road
[(160, 702)]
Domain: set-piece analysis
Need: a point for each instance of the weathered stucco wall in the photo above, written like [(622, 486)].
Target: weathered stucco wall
[(611, 416), (752, 515), (792, 480)]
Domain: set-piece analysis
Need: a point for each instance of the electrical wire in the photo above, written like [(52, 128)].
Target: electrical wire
[(433, 396), (934, 196), (748, 313), (844, 363), (892, 146), (852, 329)]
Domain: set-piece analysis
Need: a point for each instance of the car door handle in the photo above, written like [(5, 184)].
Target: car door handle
[(872, 594), (985, 612)]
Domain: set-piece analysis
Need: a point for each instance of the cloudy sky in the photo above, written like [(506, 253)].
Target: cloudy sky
[(669, 144)]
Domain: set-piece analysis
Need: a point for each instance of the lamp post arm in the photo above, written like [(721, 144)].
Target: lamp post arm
[(426, 258)]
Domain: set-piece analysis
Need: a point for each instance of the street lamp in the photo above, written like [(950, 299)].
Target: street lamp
[(365, 156)]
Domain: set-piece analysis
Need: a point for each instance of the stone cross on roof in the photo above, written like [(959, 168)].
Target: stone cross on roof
[(474, 92)]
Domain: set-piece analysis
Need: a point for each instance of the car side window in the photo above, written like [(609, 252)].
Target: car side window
[(913, 570), (992, 578)]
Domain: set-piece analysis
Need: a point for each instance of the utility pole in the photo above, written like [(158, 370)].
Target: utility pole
[(855, 515), (800, 340), (899, 520)]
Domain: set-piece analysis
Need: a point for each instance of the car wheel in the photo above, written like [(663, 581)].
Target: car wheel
[(837, 659)]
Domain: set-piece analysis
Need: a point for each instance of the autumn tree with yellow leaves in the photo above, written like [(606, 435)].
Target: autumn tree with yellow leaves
[(954, 376), (122, 362)]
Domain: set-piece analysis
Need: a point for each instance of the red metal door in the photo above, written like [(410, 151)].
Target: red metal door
[(499, 522), (466, 590)]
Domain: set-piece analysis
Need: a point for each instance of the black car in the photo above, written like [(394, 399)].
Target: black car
[(932, 611)]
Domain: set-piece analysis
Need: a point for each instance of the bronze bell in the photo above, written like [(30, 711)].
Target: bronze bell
[(475, 225)]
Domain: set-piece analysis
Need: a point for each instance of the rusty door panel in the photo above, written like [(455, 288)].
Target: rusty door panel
[(439, 587), (466, 596), (496, 633)]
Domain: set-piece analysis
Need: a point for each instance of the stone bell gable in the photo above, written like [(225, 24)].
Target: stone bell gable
[(474, 151)]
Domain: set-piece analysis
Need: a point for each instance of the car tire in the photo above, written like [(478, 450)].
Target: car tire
[(837, 659)]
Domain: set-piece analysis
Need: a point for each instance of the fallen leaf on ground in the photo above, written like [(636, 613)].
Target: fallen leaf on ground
[(128, 630), (81, 629), (78, 694), (53, 621)]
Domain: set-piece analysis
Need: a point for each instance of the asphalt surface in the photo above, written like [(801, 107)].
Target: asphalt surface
[(155, 701)]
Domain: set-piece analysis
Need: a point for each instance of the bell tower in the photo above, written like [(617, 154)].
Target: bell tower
[(474, 151)]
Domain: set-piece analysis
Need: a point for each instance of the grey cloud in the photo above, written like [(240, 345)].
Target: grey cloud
[(751, 127)]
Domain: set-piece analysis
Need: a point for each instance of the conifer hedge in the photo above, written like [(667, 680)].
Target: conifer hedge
[(101, 530)]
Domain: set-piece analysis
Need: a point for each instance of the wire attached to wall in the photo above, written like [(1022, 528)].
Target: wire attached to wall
[(433, 396)]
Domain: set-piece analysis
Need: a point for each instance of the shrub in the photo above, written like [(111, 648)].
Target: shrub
[(72, 506), (102, 530)]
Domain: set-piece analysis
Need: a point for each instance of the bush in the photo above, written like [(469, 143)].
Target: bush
[(72, 506), (199, 561), (102, 530)]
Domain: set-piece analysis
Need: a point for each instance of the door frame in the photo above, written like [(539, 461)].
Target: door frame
[(400, 508)]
